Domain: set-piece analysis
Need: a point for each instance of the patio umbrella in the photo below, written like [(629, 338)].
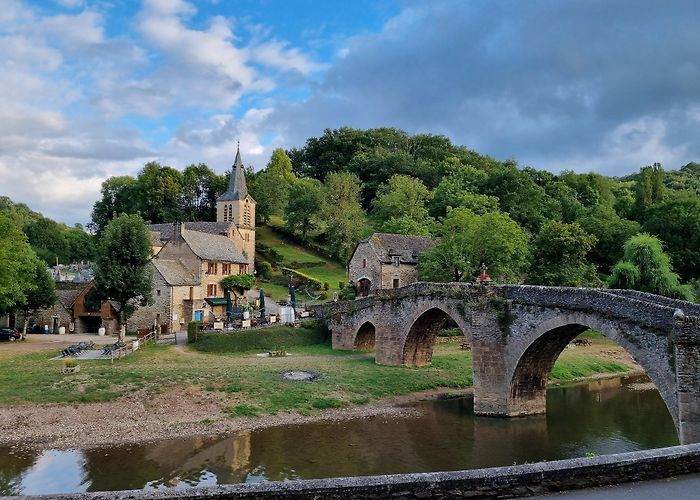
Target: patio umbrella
[(262, 304), (229, 306)]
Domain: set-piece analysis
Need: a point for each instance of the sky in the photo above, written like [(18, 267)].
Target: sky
[(96, 88)]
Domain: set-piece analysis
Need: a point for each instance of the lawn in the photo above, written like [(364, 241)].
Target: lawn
[(252, 385)]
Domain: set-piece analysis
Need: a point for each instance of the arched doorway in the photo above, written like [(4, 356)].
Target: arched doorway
[(364, 287), (365, 338), (418, 346)]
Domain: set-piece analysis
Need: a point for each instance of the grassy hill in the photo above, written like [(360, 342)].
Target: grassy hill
[(300, 259)]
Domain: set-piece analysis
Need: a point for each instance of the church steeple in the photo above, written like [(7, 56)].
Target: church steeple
[(237, 188)]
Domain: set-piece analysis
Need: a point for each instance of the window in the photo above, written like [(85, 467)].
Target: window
[(246, 215), (247, 237), (191, 293), (158, 293), (242, 268), (211, 290), (225, 269), (364, 263), (396, 282), (230, 212), (396, 260), (211, 268)]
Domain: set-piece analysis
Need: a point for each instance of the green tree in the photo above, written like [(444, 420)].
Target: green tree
[(559, 256), (48, 240), (121, 269), (647, 268), (405, 225), (160, 191), (270, 187), (469, 239), (40, 292), (120, 195), (677, 223), (238, 283), (402, 196), (649, 188), (460, 189), (610, 230), (81, 245), (200, 188), (16, 264), (342, 213), (305, 198)]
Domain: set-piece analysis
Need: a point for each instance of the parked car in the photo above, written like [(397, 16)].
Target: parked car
[(10, 334)]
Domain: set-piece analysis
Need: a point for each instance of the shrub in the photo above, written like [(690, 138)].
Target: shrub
[(450, 332), (193, 331), (308, 324), (275, 338), (304, 280), (326, 286), (264, 269)]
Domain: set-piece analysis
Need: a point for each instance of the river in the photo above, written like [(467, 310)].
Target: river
[(601, 417)]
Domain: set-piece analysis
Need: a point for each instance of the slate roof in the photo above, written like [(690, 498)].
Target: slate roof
[(175, 273), (408, 248), (67, 297), (237, 188), (168, 229), (213, 247)]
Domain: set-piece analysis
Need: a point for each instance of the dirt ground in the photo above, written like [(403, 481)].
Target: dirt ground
[(37, 343)]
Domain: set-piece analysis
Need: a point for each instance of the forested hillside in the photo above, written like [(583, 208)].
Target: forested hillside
[(527, 225)]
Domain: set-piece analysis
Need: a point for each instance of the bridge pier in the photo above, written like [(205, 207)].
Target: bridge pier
[(687, 357)]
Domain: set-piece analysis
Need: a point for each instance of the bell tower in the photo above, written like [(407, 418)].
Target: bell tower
[(237, 206)]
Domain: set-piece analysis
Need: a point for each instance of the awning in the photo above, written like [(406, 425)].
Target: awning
[(215, 301)]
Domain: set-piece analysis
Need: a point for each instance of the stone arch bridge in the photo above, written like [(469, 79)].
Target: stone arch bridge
[(517, 333)]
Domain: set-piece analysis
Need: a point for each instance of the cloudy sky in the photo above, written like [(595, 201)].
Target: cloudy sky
[(94, 88)]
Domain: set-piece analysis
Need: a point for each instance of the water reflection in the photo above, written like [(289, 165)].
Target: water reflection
[(602, 417)]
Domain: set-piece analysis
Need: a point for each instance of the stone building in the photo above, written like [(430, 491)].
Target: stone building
[(386, 261), (191, 258)]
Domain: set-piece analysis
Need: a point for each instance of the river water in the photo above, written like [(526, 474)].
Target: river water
[(601, 417)]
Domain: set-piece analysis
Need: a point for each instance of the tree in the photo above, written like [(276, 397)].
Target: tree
[(270, 188), (677, 223), (160, 191), (16, 264), (460, 189), (609, 229), (342, 213), (405, 225), (402, 196), (559, 257), (40, 292), (121, 268), (305, 198), (647, 268), (200, 188), (48, 240), (120, 195), (238, 283), (649, 188), (469, 239)]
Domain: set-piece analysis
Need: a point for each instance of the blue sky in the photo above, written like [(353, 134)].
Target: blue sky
[(96, 88)]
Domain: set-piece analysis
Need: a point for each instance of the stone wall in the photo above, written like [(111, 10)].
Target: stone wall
[(498, 482), (372, 268), (159, 312)]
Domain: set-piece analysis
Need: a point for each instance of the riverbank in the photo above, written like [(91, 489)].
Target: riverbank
[(167, 392)]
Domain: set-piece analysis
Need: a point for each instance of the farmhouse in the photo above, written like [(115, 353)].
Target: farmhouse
[(386, 261)]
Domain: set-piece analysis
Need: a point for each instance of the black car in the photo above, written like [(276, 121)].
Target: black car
[(10, 334)]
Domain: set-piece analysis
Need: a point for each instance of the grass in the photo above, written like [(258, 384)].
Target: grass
[(301, 259), (249, 385), (265, 339)]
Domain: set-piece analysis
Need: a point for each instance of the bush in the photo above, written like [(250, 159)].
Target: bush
[(275, 338), (264, 270), (450, 332), (194, 331), (304, 280), (326, 286), (308, 324)]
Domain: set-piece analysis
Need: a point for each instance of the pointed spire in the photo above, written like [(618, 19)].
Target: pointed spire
[(237, 188)]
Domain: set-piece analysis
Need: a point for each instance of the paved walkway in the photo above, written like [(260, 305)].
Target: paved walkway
[(675, 488)]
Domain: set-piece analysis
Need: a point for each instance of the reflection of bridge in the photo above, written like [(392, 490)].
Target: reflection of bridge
[(517, 333)]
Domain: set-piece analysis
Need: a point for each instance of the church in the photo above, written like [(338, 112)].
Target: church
[(191, 259)]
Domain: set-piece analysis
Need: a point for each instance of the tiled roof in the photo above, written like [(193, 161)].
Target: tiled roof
[(213, 247), (408, 248), (174, 272), (67, 297), (167, 230)]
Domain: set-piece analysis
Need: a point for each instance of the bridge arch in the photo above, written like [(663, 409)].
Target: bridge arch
[(423, 325), (365, 337), (536, 352)]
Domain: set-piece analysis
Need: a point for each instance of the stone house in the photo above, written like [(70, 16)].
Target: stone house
[(386, 261), (191, 258)]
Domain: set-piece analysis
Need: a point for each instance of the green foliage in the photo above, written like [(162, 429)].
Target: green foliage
[(200, 188), (120, 195), (305, 198), (647, 268), (677, 223), (468, 240), (460, 189), (405, 225), (264, 269), (649, 187), (160, 191), (121, 269), (193, 331), (271, 187), (341, 210), (610, 230), (402, 197), (265, 339), (559, 256), (303, 280), (17, 261), (238, 282)]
